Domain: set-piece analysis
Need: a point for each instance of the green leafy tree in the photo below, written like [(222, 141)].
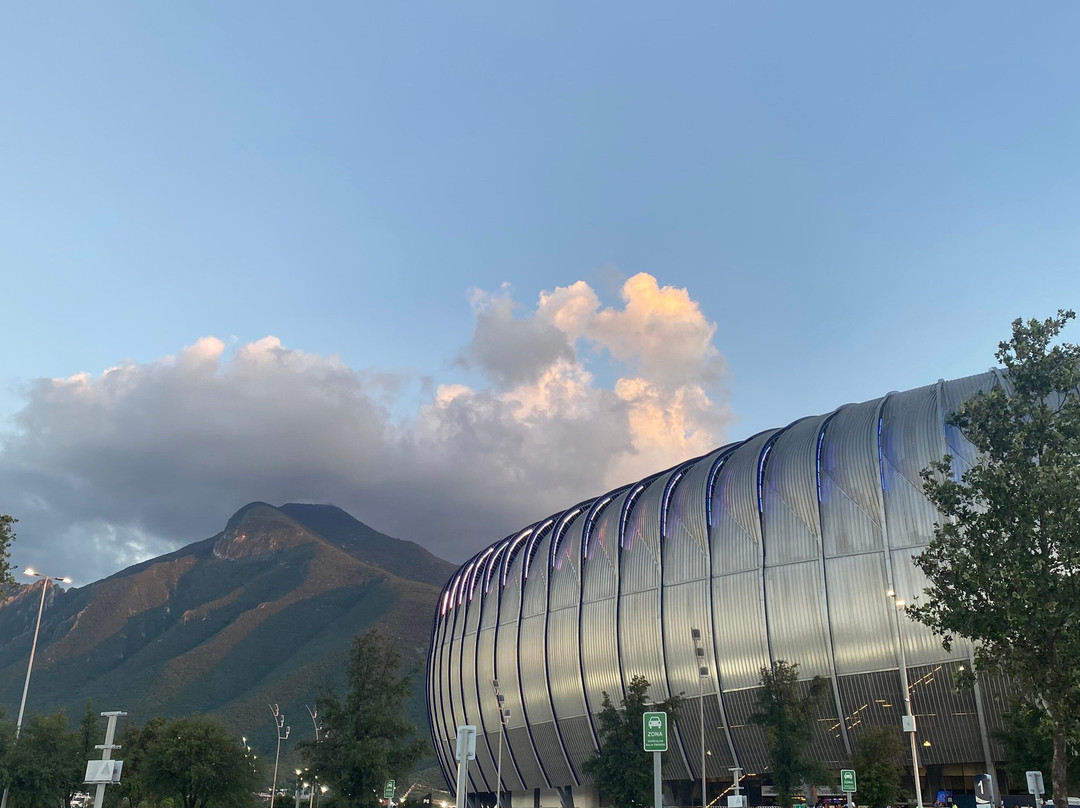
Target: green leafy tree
[(197, 762), (1004, 564), (622, 769), (82, 747), (368, 738), (134, 791), (877, 752), (7, 536), (41, 762), (1028, 746), (787, 715)]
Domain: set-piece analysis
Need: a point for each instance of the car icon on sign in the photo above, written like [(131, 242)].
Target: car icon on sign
[(654, 722)]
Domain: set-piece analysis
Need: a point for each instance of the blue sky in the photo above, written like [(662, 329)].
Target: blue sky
[(858, 198)]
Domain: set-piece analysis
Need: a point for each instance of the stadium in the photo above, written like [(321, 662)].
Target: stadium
[(794, 544)]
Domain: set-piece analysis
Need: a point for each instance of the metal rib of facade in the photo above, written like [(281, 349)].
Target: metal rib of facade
[(782, 546)]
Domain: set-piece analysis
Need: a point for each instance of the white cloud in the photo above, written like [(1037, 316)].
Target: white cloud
[(109, 469)]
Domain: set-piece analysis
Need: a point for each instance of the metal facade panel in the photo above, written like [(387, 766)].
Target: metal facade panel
[(717, 754), (564, 582), (600, 653), (641, 642), (860, 613), (945, 715), (564, 664), (535, 598), (580, 745), (849, 479), (738, 629), (736, 525), (549, 747), (518, 740), (789, 496), (911, 438), (872, 699), (532, 653), (639, 561), (749, 738), (953, 394), (826, 739), (600, 567), (686, 537), (797, 621), (921, 645)]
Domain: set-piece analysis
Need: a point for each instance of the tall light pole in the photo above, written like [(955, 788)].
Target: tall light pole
[(504, 716), (703, 672), (45, 581), (279, 724), (909, 717)]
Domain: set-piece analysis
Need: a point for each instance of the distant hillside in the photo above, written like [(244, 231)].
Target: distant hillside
[(263, 612)]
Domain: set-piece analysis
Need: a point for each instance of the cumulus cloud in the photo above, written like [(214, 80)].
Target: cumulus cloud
[(105, 470)]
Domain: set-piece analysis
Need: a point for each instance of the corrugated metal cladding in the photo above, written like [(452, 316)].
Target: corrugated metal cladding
[(783, 546)]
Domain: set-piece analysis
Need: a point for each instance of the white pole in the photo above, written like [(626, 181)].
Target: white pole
[(701, 714), (279, 722), (107, 750), (658, 793), (462, 773), (907, 705), (498, 771), (29, 668)]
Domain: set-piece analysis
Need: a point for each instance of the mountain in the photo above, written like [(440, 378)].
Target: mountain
[(262, 613)]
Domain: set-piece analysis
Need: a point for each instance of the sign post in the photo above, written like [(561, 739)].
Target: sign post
[(848, 784), (388, 790), (1036, 787), (466, 751), (654, 739)]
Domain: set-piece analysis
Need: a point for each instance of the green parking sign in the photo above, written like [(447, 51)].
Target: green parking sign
[(388, 790), (847, 781), (654, 732)]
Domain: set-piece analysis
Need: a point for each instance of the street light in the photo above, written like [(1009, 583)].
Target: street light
[(45, 581), (504, 716), (909, 718), (703, 672), (279, 724)]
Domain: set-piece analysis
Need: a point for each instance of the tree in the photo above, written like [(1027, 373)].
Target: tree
[(7, 536), (195, 760), (134, 790), (368, 738), (621, 768), (875, 759), (1003, 567), (787, 716), (82, 746), (40, 763), (1028, 746)]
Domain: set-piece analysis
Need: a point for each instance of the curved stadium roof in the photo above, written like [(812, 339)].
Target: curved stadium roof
[(782, 546)]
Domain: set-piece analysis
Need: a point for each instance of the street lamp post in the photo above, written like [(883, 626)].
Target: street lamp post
[(504, 716), (909, 718), (279, 724), (45, 581), (703, 671)]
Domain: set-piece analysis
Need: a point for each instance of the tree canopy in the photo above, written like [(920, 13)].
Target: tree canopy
[(787, 715), (877, 750), (368, 738), (195, 761), (621, 769), (7, 536), (1003, 567)]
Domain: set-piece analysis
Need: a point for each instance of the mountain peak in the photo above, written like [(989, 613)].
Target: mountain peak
[(259, 529)]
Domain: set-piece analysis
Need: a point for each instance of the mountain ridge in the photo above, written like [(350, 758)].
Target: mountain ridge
[(262, 612)]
